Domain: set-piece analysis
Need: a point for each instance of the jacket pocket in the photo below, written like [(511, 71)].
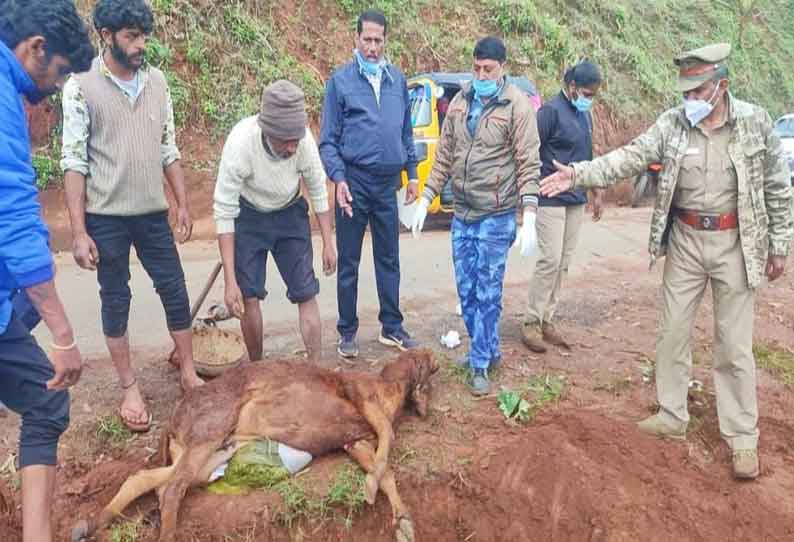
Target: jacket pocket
[(494, 129)]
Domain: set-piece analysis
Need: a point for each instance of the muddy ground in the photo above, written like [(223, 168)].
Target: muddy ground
[(578, 471)]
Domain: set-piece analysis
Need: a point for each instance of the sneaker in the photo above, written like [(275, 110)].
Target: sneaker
[(552, 336), (655, 426), (745, 464), (347, 346), (399, 339), (532, 337), (479, 383)]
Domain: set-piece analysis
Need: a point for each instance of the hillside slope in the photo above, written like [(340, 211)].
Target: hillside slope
[(219, 54)]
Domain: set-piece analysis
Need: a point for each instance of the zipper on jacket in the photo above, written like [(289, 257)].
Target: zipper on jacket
[(483, 116)]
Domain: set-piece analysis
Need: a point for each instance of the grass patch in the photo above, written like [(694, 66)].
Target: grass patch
[(126, 531), (344, 498), (111, 430), (777, 361), (523, 406), (347, 493)]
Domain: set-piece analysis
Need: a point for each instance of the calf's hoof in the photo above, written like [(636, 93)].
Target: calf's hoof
[(370, 488), (81, 531), (405, 530)]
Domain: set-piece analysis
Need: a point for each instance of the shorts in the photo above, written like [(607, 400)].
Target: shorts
[(287, 235)]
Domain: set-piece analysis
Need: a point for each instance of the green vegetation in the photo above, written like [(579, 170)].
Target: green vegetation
[(513, 406), (540, 391), (111, 430), (346, 492), (777, 361), (126, 531)]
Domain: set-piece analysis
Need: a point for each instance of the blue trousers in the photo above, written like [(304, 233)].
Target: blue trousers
[(24, 372), (374, 204), (154, 242), (24, 309), (479, 251)]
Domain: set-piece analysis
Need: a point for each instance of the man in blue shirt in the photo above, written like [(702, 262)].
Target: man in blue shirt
[(365, 143), (41, 42), (565, 126)]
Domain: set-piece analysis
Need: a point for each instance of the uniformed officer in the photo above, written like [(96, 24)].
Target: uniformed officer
[(723, 217)]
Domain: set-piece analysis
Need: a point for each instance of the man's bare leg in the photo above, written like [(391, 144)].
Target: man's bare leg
[(38, 488), (251, 325), (184, 347), (133, 407), (311, 329)]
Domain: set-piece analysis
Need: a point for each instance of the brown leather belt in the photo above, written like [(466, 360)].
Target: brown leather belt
[(706, 221)]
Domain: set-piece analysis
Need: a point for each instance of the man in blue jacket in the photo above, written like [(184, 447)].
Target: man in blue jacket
[(41, 42), (365, 144)]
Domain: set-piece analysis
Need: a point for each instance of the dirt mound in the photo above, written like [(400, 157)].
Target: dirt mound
[(570, 477)]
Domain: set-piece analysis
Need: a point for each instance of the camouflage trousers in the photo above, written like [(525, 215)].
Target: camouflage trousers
[(479, 251)]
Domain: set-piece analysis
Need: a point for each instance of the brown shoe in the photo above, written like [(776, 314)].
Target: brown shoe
[(655, 426), (552, 336), (745, 464), (532, 337)]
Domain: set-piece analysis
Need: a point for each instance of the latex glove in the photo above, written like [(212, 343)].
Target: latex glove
[(419, 217), (527, 238)]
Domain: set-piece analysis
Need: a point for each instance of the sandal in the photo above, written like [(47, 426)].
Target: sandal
[(135, 427)]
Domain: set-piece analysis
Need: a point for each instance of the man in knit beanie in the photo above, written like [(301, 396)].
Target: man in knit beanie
[(259, 209)]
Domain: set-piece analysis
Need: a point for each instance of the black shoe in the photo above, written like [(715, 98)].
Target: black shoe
[(399, 339), (347, 346)]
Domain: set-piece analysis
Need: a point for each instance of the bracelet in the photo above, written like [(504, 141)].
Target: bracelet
[(64, 348)]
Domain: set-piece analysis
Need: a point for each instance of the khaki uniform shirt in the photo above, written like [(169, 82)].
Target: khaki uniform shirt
[(708, 181)]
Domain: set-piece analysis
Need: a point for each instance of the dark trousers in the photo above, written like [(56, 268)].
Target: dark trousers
[(24, 372), (25, 310), (154, 243), (374, 203)]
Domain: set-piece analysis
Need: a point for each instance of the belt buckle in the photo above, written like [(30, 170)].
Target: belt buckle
[(710, 223)]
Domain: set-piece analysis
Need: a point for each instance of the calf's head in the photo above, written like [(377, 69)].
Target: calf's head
[(414, 367)]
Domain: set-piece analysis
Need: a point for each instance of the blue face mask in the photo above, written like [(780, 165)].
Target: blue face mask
[(371, 68), (485, 88), (582, 104)]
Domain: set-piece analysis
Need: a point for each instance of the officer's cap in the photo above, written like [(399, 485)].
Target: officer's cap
[(698, 66)]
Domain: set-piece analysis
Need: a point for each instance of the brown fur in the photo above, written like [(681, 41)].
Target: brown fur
[(303, 406)]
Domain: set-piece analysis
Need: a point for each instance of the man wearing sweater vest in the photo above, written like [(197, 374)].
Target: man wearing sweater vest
[(259, 209), (366, 142), (118, 144)]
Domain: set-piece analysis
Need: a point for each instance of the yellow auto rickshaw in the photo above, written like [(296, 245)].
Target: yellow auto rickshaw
[(430, 95)]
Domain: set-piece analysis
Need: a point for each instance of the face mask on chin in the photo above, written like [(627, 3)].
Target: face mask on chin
[(485, 88), (582, 104), (697, 110)]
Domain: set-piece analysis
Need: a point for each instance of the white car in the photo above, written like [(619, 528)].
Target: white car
[(784, 128)]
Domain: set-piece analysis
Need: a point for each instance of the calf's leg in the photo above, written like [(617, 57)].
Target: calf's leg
[(186, 474), (366, 403), (135, 486), (364, 454)]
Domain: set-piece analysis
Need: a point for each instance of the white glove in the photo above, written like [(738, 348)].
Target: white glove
[(419, 217), (527, 238)]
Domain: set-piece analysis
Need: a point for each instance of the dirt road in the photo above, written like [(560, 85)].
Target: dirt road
[(579, 471)]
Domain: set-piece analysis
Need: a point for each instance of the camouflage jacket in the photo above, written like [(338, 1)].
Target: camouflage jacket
[(765, 196)]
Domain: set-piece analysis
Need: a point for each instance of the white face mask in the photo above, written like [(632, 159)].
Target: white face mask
[(697, 110)]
